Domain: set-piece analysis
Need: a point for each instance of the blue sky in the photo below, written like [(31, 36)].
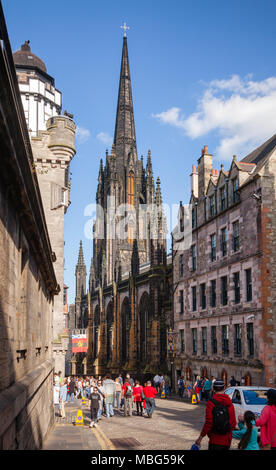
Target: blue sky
[(203, 72)]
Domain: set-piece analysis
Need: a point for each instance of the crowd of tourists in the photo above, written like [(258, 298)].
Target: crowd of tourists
[(127, 396)]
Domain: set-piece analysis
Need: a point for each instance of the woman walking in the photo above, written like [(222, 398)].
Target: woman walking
[(137, 397)]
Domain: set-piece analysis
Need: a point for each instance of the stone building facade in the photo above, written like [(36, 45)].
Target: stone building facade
[(129, 297), (224, 281), (27, 279), (53, 146)]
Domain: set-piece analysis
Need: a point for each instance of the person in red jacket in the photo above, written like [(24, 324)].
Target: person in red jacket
[(150, 393), (219, 431)]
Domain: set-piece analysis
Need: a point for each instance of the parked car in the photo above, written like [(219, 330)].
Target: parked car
[(248, 399)]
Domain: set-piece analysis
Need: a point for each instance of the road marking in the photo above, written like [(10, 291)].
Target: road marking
[(103, 440)]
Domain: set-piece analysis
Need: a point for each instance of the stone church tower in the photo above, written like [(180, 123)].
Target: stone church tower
[(53, 145), (129, 281), (123, 181)]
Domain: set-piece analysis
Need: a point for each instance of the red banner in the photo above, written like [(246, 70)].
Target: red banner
[(79, 343)]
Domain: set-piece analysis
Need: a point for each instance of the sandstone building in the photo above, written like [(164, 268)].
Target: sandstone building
[(224, 282), (53, 145), (28, 283), (128, 305)]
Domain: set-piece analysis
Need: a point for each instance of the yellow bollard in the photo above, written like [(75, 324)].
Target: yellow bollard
[(163, 394), (194, 400), (79, 418), (83, 401)]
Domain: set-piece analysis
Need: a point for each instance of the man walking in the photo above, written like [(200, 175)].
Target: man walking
[(150, 393), (220, 419), (109, 391), (62, 397), (128, 397)]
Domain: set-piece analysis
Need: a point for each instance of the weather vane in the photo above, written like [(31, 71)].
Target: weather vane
[(125, 27)]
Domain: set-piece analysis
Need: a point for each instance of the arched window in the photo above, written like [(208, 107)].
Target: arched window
[(130, 203)]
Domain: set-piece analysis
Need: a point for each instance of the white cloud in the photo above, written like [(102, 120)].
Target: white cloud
[(241, 111), (105, 138), (82, 134)]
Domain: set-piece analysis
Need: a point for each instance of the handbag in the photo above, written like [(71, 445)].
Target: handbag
[(268, 446)]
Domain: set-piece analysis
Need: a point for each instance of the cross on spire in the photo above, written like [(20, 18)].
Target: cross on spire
[(125, 27)]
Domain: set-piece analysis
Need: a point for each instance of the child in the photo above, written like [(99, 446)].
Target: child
[(248, 433)]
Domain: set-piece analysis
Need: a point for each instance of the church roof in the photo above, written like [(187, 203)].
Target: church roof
[(25, 57), (124, 135)]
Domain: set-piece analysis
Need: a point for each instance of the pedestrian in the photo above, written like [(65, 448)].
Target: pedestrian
[(120, 379), (248, 433), (150, 393), (207, 388), (71, 390), (95, 399), (213, 379), (181, 387), (99, 387), (156, 382), (128, 397), (87, 388), (267, 422), (167, 385), (62, 397), (59, 378), (189, 390), (198, 387), (232, 382), (118, 387), (109, 391), (220, 419), (130, 380), (138, 395)]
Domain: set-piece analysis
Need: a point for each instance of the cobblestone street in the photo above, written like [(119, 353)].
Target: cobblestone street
[(175, 426)]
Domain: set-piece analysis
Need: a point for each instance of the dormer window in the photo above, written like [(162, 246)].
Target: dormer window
[(223, 198), (212, 205), (235, 187)]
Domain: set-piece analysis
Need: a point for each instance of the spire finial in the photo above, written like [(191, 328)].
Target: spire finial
[(125, 27)]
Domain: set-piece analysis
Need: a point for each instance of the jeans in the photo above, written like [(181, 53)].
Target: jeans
[(86, 392), (150, 402), (109, 410), (206, 394), (72, 397), (167, 390), (181, 392), (118, 399), (100, 410)]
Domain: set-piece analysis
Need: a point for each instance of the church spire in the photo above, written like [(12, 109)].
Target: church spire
[(124, 135), (81, 263)]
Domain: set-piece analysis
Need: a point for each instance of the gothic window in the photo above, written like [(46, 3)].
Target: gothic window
[(181, 265), (131, 188), (130, 203), (109, 330)]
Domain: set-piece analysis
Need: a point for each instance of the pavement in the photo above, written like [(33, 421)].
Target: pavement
[(175, 425)]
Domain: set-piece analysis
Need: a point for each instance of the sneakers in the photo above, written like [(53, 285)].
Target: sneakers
[(91, 424), (95, 425)]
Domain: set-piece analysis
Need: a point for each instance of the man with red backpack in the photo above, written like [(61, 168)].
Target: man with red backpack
[(220, 419)]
